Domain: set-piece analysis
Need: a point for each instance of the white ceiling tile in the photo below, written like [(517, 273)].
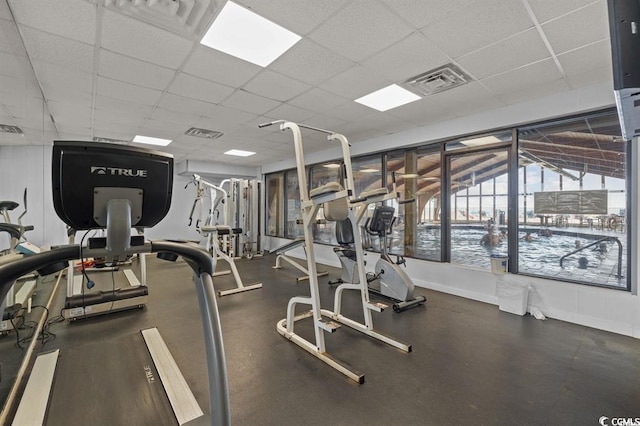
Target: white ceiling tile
[(60, 93), (351, 111), (299, 16), (173, 102), (18, 87), (422, 12), (466, 99), (324, 122), (308, 62), (275, 86), (13, 66), (591, 57), (545, 10), (290, 113), (356, 82), (128, 92), (164, 127), (585, 26), (10, 41), (591, 77), (222, 119), (105, 128), (137, 39), (216, 66), (197, 88), (479, 24), (74, 19), (60, 51), (505, 55), (183, 119), (5, 13), (132, 109), (530, 75), (421, 112), (117, 118), (129, 70), (54, 75), (528, 92), (70, 114), (318, 100), (407, 58), (248, 102), (361, 29), (77, 130)]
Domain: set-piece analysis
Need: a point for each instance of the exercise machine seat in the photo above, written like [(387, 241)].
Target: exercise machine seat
[(344, 236), (327, 188), (8, 205), (374, 193)]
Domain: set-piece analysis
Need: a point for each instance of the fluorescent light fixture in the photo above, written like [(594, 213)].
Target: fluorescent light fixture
[(388, 98), (409, 175), (248, 36), (370, 171), (332, 166), (485, 140), (239, 153), (151, 141)]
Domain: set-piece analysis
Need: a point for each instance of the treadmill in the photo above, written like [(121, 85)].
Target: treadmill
[(134, 379)]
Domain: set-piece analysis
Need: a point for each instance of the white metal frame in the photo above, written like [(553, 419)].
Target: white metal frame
[(282, 256), (356, 212), (211, 229)]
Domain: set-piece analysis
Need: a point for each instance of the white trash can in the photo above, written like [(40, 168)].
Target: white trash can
[(499, 263), (513, 298)]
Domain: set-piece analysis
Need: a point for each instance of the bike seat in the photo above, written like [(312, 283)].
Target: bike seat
[(8, 205)]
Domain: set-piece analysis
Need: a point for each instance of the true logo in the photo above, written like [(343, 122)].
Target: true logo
[(116, 171)]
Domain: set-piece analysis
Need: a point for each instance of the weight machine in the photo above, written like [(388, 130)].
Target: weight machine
[(219, 236), (339, 203)]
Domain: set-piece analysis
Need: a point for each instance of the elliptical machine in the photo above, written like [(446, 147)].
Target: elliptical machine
[(389, 280)]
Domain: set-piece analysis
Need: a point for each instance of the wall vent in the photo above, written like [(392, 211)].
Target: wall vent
[(184, 17), (203, 133), (7, 128), (437, 80)]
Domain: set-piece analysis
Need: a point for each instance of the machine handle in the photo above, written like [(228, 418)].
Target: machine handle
[(260, 126), (407, 201)]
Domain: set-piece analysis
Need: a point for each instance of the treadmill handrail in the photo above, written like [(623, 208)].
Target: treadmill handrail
[(203, 267)]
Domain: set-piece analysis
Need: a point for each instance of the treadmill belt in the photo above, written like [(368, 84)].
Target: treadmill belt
[(111, 383)]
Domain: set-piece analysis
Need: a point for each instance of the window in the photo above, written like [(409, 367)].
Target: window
[(275, 204), (573, 180), (321, 174), (295, 228), (427, 204)]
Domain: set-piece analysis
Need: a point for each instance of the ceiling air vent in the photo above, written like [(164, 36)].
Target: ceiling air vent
[(203, 133), (183, 17), (437, 80), (109, 140), (6, 128)]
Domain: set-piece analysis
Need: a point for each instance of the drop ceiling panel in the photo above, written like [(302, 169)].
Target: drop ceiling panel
[(27, 108), (351, 111), (275, 86), (290, 113), (62, 78), (117, 118), (422, 112), (479, 24), (60, 93), (18, 87), (128, 92), (213, 65), (132, 109), (409, 57), (299, 16), (134, 38), (505, 55), (60, 51), (422, 12), (133, 71), (197, 88), (5, 13), (592, 76), (527, 93), (535, 74), (324, 122), (179, 118), (70, 114), (597, 55), (468, 98), (12, 65), (10, 41), (161, 127), (106, 128), (173, 102), (318, 100), (545, 10), (248, 102), (356, 82), (311, 63), (585, 26), (368, 26), (225, 118), (74, 19)]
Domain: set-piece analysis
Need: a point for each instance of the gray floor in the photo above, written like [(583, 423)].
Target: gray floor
[(471, 363)]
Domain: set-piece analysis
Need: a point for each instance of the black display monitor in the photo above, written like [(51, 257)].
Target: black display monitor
[(86, 175)]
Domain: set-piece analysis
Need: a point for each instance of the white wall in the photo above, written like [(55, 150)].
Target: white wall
[(30, 167)]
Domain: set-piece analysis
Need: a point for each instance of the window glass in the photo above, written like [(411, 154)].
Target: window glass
[(294, 214), (275, 204), (321, 174), (577, 231)]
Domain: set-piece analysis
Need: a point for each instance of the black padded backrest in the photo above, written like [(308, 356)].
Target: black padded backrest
[(8, 205), (344, 232)]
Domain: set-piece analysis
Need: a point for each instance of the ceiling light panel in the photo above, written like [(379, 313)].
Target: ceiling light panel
[(151, 141), (239, 153), (387, 98), (248, 36)]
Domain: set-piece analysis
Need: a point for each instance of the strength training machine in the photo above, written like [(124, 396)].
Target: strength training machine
[(339, 203), (219, 237), (281, 255), (134, 384)]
